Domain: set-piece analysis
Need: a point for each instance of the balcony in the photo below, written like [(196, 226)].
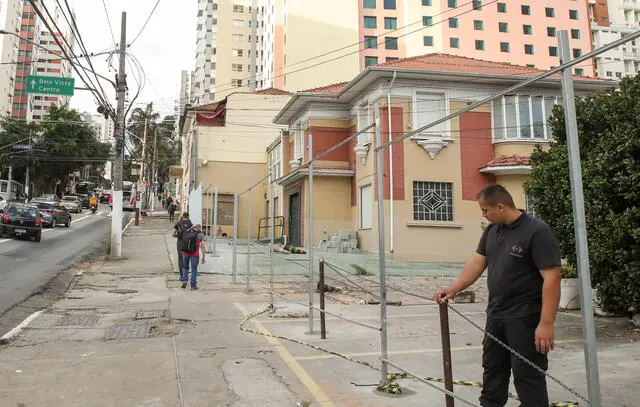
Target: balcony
[(631, 5)]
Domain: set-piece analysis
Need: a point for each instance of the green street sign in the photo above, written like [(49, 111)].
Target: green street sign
[(50, 85)]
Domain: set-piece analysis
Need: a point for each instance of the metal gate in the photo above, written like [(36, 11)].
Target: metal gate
[(294, 219)]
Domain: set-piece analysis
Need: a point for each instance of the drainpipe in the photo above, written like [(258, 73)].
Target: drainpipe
[(390, 164)]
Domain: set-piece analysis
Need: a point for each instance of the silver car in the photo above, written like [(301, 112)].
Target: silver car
[(72, 203)]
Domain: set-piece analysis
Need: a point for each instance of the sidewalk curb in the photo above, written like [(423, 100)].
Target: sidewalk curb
[(6, 338)]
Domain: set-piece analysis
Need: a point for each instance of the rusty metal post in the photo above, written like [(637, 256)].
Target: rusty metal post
[(323, 326), (446, 352)]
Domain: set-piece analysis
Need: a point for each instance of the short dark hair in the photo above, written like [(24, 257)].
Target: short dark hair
[(185, 215), (494, 194)]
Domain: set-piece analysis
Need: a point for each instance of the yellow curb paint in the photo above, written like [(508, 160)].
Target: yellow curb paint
[(411, 351), (295, 367)]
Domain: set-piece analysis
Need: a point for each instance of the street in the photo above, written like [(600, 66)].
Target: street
[(26, 266)]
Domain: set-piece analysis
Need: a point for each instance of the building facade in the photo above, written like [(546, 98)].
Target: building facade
[(10, 19), (610, 21), (226, 144), (431, 178), (228, 32), (104, 131)]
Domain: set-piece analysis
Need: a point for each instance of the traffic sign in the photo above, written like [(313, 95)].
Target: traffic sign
[(50, 85), (22, 146)]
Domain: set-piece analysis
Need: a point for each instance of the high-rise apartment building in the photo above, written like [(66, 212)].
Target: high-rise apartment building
[(228, 32), (44, 59), (10, 18), (610, 21)]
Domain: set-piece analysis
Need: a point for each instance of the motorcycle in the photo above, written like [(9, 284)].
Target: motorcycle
[(94, 208)]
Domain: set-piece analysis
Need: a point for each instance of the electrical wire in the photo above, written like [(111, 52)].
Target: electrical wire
[(145, 23), (106, 12)]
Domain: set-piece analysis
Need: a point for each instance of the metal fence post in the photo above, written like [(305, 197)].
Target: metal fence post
[(323, 322), (272, 215), (250, 193), (580, 226), (446, 352), (381, 248), (310, 232), (234, 268), (215, 219)]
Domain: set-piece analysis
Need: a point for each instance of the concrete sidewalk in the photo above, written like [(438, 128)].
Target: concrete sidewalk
[(125, 334)]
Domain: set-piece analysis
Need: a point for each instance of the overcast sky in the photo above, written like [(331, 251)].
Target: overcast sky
[(165, 48)]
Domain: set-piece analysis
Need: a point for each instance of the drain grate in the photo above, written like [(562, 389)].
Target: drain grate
[(127, 331), (78, 320), (158, 313), (122, 291)]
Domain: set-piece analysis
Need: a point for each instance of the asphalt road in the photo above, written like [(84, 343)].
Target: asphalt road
[(27, 266)]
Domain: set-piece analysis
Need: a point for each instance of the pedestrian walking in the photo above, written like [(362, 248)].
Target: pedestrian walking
[(178, 230), (172, 211), (523, 259), (192, 240)]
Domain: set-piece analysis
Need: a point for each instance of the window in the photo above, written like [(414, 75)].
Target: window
[(454, 42), (452, 3), (573, 14), (575, 34), (369, 3), (389, 4), (478, 25), (525, 10), (366, 207), (453, 22), (237, 37), (504, 47), (429, 108), (502, 7), (275, 162), (427, 20), (580, 71), (428, 40), (390, 43), (551, 31), (433, 201), (364, 121), (368, 61), (426, 2), (553, 51), (390, 59), (237, 23), (236, 83), (528, 49), (522, 116), (390, 23), (298, 142), (370, 22), (237, 67), (480, 45), (477, 4), (503, 27), (527, 29), (549, 12), (238, 8), (237, 52), (577, 52), (370, 41)]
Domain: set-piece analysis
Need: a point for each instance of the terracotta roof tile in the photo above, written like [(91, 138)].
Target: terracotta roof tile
[(333, 88), (508, 161), (460, 64), (274, 91)]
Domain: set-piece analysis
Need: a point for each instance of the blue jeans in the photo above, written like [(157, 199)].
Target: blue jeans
[(184, 275), (180, 263)]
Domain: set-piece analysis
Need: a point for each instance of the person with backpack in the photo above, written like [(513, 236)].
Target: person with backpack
[(192, 240), (178, 230), (172, 210)]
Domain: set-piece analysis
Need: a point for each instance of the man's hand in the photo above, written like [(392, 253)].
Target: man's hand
[(444, 295), (203, 260), (544, 337)]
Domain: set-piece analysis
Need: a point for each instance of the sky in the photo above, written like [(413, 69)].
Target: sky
[(165, 47)]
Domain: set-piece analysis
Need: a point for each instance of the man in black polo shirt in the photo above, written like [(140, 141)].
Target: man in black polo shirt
[(523, 258)]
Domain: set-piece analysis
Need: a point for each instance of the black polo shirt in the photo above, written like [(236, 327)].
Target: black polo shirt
[(515, 255)]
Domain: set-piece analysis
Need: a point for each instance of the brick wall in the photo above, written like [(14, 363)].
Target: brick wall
[(476, 150), (398, 154)]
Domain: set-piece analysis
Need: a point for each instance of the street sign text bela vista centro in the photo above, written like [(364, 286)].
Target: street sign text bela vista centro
[(50, 85)]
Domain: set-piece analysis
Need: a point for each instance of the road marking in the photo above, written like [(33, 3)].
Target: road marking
[(413, 351), (372, 317), (288, 358)]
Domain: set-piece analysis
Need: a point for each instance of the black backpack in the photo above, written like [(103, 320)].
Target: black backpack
[(183, 225), (189, 241)]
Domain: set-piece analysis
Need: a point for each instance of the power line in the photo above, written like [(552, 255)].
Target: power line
[(145, 24), (104, 4)]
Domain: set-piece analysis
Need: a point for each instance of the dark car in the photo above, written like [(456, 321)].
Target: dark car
[(84, 198), (53, 214), (19, 219)]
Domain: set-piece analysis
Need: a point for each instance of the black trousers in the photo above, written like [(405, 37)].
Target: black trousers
[(497, 362)]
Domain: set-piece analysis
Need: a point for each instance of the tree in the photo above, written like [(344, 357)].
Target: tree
[(609, 138)]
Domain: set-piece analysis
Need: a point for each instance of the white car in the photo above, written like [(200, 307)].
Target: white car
[(3, 202)]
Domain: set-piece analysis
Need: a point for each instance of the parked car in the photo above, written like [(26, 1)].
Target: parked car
[(84, 198), (72, 203), (104, 198), (53, 214), (20, 219)]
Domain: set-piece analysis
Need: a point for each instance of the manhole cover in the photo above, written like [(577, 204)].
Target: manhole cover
[(127, 331), (158, 313), (78, 320), (123, 291)]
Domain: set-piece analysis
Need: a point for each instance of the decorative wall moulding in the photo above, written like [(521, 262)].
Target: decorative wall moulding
[(361, 152), (432, 144), (295, 164)]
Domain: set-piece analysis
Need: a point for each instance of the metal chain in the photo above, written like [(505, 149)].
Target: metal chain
[(511, 350)]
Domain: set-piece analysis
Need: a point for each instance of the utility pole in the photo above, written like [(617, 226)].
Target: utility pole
[(121, 82), (144, 157), (27, 181), (154, 167)]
